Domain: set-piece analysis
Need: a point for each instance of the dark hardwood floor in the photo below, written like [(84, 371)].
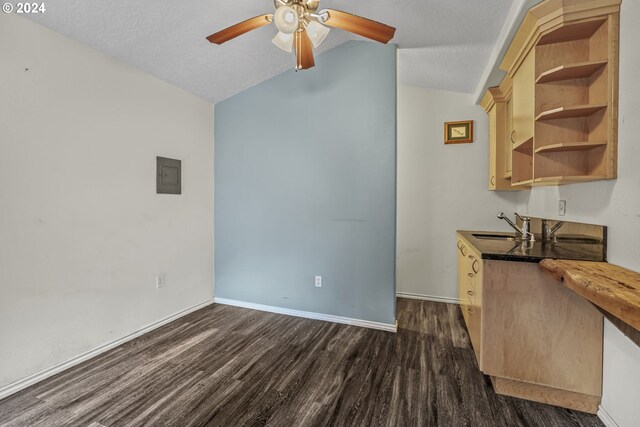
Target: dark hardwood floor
[(227, 366)]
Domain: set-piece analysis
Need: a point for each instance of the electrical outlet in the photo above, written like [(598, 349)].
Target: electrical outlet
[(318, 281), (562, 207), (161, 280)]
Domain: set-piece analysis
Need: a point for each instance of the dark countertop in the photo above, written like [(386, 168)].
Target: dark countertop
[(579, 248)]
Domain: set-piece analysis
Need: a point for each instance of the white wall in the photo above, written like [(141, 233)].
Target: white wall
[(617, 205), (82, 232), (441, 188)]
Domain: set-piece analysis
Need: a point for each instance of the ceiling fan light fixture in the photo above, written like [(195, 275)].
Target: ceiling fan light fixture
[(303, 26), (317, 33), (286, 19), (284, 41)]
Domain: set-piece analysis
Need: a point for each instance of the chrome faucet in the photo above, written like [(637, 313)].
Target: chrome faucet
[(548, 233), (525, 231)]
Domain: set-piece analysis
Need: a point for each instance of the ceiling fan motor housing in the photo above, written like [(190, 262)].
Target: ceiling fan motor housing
[(310, 6)]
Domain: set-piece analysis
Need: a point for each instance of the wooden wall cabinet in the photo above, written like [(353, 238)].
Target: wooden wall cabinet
[(499, 107), (563, 69), (536, 339), (498, 174)]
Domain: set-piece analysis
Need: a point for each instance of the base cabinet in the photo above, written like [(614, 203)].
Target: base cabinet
[(536, 339), (469, 291)]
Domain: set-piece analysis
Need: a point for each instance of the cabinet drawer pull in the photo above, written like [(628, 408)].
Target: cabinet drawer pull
[(513, 141), (493, 180), (471, 275), (472, 257), (471, 293), (475, 266), (462, 249), (459, 243)]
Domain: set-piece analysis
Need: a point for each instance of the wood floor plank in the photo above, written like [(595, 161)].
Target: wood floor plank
[(459, 337), (223, 366)]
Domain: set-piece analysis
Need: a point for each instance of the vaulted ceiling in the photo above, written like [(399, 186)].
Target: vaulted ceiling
[(444, 44)]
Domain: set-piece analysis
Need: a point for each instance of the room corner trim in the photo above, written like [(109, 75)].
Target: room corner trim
[(445, 300), (23, 383), (512, 22), (606, 417), (310, 315)]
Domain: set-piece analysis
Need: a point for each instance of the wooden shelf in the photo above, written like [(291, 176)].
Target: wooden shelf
[(572, 71), (569, 146), (523, 146), (570, 32), (554, 180), (570, 112)]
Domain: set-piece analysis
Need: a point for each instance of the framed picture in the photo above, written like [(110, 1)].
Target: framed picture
[(458, 132)]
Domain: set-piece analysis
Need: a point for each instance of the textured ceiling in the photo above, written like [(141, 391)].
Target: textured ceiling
[(444, 44)]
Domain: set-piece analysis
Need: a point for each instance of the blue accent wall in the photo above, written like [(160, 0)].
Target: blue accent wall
[(305, 167)]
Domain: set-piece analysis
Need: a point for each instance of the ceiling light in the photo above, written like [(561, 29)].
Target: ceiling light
[(284, 41), (286, 19), (317, 33)]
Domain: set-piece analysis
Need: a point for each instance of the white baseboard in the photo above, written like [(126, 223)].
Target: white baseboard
[(606, 418), (23, 383), (310, 315), (446, 300)]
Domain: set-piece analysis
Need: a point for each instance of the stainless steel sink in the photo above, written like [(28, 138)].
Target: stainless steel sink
[(560, 239), (579, 240), (485, 236)]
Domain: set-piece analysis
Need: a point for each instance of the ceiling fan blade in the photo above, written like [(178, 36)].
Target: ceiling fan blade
[(239, 29), (356, 24), (304, 51)]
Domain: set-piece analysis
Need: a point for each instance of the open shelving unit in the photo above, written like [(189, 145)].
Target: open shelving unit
[(556, 111), (575, 129)]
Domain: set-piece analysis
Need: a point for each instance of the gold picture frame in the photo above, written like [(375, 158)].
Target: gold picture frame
[(458, 132)]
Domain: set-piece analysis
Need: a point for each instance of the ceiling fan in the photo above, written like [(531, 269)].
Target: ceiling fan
[(301, 26)]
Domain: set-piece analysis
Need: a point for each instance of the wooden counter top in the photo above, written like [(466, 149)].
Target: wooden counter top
[(614, 289)]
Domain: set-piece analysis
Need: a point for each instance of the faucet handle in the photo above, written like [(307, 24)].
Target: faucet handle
[(501, 215), (526, 218)]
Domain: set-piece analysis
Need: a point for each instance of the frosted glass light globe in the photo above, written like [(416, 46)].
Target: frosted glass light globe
[(284, 41), (317, 33), (286, 19)]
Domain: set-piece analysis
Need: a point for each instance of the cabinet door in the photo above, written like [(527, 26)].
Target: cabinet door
[(493, 149), (524, 100), (508, 146)]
